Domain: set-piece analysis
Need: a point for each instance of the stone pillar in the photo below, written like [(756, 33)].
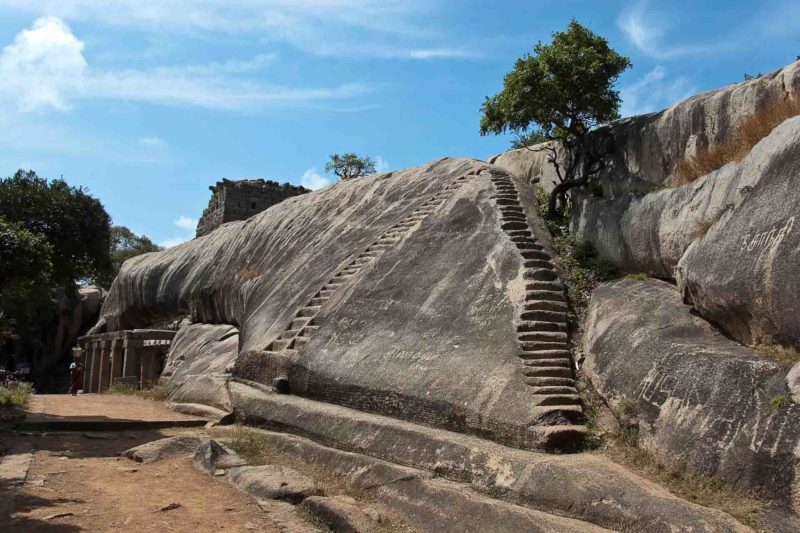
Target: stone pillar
[(150, 366), (105, 366), (94, 374), (116, 359), (131, 366)]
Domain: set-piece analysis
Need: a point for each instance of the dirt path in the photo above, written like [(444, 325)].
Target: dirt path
[(80, 476)]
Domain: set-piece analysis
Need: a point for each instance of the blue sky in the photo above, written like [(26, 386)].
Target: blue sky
[(148, 102)]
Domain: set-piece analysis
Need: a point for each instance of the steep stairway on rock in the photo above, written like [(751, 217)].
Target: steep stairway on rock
[(542, 324), (297, 335)]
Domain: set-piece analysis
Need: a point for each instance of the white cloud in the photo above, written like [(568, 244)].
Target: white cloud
[(152, 142), (381, 165), (173, 241), (187, 223), (312, 179), (44, 68), (365, 28), (646, 32), (654, 91)]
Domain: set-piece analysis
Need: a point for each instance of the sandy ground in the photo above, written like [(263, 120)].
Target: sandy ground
[(78, 482)]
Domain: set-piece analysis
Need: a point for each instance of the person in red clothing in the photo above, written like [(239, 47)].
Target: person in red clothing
[(75, 378)]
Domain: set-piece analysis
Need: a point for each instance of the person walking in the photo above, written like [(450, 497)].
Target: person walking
[(75, 377)]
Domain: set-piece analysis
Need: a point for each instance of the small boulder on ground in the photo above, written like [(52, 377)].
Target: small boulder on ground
[(164, 448), (272, 482), (212, 456)]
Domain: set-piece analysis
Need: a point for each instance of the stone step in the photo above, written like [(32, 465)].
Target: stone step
[(506, 201), (541, 274), (549, 371), (554, 286), (538, 263), (550, 382), (309, 311), (546, 305), (533, 252), (318, 301), (513, 225), (387, 240), (532, 246), (308, 330), (512, 209), (377, 247), (543, 336), (290, 333), (510, 196), (362, 260), (374, 253), (561, 353), (279, 344), (513, 216), (300, 322), (559, 399), (543, 346), (325, 293), (337, 280), (555, 296), (554, 390), (539, 325), (544, 316), (522, 233), (561, 362), (299, 342)]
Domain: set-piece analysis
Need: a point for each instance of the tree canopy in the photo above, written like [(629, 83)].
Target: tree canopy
[(348, 166), (125, 244), (73, 223), (559, 93)]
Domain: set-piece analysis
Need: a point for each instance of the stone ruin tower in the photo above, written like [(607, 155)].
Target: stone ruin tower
[(240, 199)]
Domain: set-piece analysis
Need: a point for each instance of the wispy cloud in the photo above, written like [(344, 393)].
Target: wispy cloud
[(647, 32), (312, 179), (188, 225), (381, 165), (45, 68), (654, 91), (152, 142), (351, 28)]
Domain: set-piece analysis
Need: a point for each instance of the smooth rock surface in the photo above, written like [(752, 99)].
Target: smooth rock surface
[(164, 448), (272, 482), (211, 456), (701, 397), (339, 513)]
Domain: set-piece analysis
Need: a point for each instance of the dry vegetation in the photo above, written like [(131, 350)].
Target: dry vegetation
[(157, 392), (751, 130), (783, 355)]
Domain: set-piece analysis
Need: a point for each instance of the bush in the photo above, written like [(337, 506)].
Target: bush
[(16, 396), (749, 132)]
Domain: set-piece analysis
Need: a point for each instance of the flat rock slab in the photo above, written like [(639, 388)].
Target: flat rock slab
[(14, 468), (102, 412), (164, 448), (272, 482)]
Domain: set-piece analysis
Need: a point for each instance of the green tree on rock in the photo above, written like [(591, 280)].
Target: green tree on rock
[(559, 94), (348, 166)]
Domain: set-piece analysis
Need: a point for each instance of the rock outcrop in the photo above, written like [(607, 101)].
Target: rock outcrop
[(701, 397), (643, 150), (426, 294)]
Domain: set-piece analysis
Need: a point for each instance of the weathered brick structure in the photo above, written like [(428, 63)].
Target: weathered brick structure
[(241, 199)]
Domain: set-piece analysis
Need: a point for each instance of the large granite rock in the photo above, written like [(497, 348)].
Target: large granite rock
[(701, 397), (426, 332), (730, 238), (647, 147)]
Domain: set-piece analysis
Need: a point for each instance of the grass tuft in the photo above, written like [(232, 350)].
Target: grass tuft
[(16, 396), (748, 133), (782, 355)]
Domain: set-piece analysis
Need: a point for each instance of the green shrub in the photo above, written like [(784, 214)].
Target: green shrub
[(776, 403), (16, 396)]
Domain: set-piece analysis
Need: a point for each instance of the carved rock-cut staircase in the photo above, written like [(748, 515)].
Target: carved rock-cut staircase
[(297, 335), (542, 323)]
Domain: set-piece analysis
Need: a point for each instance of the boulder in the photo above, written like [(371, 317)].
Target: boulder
[(701, 397), (272, 482), (211, 456), (161, 449)]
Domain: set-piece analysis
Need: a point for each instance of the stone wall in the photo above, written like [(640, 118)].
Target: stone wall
[(239, 200)]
